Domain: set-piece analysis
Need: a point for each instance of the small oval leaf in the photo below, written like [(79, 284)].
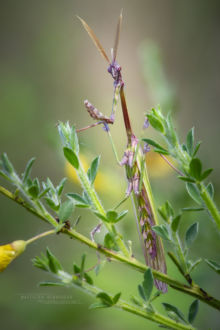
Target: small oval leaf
[(191, 233), (71, 157), (193, 310), (196, 168), (148, 283), (193, 192), (65, 210)]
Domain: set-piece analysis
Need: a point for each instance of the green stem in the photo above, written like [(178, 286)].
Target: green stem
[(154, 317), (209, 203), (35, 238), (98, 206), (176, 262), (194, 290), (123, 305), (180, 254)]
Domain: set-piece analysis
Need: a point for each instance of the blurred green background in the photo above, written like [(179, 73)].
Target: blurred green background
[(169, 53)]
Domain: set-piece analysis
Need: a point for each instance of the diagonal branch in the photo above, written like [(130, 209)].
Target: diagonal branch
[(192, 290)]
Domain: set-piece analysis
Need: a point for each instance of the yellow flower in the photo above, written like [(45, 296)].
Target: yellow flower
[(9, 252)]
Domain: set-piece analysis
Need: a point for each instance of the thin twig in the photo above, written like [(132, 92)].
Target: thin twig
[(171, 165)]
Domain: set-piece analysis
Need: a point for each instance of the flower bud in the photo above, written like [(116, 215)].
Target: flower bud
[(9, 252)]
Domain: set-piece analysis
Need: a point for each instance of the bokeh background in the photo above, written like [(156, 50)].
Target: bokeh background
[(169, 52)]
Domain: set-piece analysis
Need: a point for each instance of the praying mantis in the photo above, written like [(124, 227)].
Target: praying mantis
[(134, 161)]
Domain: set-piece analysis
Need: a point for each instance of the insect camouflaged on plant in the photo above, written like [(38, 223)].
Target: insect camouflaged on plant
[(134, 162)]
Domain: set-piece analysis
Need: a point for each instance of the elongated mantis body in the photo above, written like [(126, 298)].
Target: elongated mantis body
[(135, 165)]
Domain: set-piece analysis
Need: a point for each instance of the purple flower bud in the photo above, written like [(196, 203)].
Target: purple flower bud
[(146, 148), (146, 123)]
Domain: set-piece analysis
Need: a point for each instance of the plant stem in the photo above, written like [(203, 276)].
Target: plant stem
[(209, 203), (99, 208), (155, 317), (179, 251), (193, 290), (35, 238), (171, 165), (123, 305)]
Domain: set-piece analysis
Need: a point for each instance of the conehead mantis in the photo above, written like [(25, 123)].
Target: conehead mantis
[(134, 161)]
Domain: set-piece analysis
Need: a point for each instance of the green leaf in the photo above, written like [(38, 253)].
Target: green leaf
[(214, 265), (97, 305), (76, 269), (86, 198), (78, 200), (74, 140), (156, 122), (105, 298), (101, 216), (190, 141), (4, 176), (28, 168), (99, 266), (171, 308), (194, 264), (88, 279), (83, 259), (41, 262), (162, 231), (169, 209), (191, 233), (141, 292), (92, 171), (71, 157), (192, 209), (6, 164), (193, 310), (210, 189), (206, 173), (155, 144), (162, 212), (51, 284), (52, 204), (175, 223), (184, 147), (171, 131), (186, 179), (112, 216), (116, 298), (65, 210), (136, 301), (194, 193), (44, 192), (196, 168), (60, 187), (33, 191), (68, 136), (196, 148), (121, 215), (161, 151), (53, 262), (148, 283), (109, 242)]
